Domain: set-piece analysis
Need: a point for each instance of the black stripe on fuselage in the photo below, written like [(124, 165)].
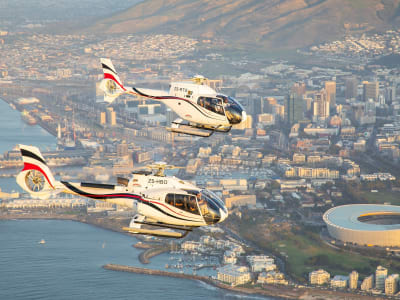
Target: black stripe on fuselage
[(104, 66), (121, 195), (98, 185), (27, 153), (173, 98)]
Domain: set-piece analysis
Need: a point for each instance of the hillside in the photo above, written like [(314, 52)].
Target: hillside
[(267, 23)]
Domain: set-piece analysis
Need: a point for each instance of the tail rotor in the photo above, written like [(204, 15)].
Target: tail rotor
[(111, 85), (36, 177)]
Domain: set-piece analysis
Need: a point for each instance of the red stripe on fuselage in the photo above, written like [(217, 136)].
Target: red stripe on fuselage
[(28, 166)]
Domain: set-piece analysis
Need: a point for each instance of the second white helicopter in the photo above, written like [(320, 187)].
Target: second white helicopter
[(201, 109)]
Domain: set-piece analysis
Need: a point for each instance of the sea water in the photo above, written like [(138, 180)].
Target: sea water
[(69, 264)]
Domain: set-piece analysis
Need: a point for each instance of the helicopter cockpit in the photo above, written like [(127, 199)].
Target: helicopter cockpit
[(203, 202), (223, 105), (233, 110)]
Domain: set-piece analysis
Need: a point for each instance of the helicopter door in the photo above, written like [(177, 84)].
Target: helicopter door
[(185, 202)]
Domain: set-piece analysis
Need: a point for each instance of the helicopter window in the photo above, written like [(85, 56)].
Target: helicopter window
[(184, 202), (179, 201), (192, 205), (170, 199), (213, 104)]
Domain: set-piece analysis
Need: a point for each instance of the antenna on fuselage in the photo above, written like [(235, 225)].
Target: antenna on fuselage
[(199, 79), (160, 168)]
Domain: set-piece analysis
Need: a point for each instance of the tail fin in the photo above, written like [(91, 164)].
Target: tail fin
[(36, 177), (111, 85)]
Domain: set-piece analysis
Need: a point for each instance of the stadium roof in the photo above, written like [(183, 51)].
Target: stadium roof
[(346, 216)]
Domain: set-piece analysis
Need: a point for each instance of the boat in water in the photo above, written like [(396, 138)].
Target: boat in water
[(42, 242), (27, 118)]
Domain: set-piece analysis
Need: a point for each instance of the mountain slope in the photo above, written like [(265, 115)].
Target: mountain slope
[(268, 23)]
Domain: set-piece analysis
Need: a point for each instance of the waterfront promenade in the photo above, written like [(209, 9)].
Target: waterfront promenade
[(275, 291)]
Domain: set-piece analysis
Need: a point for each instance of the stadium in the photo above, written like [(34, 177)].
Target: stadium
[(365, 224)]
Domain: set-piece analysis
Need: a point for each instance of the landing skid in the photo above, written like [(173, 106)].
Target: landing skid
[(135, 227), (189, 130), (153, 232), (179, 126)]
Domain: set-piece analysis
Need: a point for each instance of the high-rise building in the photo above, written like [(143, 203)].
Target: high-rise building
[(330, 89), (367, 283), (308, 103), (351, 87), (321, 105), (299, 88), (256, 106), (279, 110), (370, 90), (353, 280), (103, 118), (111, 116), (392, 284), (268, 104), (390, 94), (294, 108), (380, 277)]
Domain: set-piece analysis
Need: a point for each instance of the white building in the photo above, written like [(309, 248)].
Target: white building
[(353, 280), (272, 277), (319, 277), (229, 257), (380, 277), (234, 275), (190, 246), (367, 283), (339, 281), (392, 284), (260, 263)]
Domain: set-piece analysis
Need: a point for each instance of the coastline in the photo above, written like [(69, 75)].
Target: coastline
[(279, 292), (268, 290)]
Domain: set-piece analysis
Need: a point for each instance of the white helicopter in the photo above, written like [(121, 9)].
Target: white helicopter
[(201, 109), (157, 200)]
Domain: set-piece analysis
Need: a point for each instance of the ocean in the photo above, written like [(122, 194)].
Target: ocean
[(69, 264)]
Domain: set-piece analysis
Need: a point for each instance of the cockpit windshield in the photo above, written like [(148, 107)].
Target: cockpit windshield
[(210, 206), (233, 109)]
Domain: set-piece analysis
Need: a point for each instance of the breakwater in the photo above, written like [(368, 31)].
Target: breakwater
[(208, 280), (150, 250)]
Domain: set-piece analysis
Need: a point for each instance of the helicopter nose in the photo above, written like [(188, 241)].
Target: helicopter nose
[(244, 116), (224, 215)]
